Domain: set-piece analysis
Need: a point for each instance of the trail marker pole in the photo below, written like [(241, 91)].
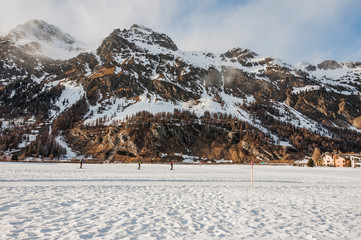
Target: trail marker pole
[(251, 174)]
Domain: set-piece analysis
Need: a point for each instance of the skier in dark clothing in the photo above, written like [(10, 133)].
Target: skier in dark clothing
[(171, 165), (81, 162), (139, 165)]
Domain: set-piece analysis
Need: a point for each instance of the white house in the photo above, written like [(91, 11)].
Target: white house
[(356, 161), (328, 159)]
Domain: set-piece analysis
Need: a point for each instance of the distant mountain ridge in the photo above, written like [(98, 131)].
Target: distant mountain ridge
[(137, 96)]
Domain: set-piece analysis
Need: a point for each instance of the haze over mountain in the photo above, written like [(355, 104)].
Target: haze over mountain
[(137, 96), (39, 37)]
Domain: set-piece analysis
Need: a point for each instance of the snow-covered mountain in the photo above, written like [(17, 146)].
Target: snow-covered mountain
[(39, 37), (138, 96)]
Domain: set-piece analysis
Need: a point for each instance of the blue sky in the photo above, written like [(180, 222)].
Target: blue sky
[(307, 30)]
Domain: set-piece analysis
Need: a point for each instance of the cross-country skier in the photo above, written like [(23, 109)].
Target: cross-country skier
[(81, 162), (171, 165), (139, 165)]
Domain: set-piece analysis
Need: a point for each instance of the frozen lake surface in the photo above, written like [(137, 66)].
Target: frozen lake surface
[(116, 201)]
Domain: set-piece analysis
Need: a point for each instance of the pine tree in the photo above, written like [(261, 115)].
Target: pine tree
[(310, 163)]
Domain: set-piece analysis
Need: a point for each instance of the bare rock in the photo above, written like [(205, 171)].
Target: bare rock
[(357, 122), (329, 65)]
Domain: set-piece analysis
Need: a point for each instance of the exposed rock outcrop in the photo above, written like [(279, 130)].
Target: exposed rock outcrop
[(329, 65)]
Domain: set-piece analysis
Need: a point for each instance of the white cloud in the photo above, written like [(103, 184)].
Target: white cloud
[(304, 30), (292, 30), (87, 19)]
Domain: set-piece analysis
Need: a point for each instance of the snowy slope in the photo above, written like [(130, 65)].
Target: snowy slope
[(345, 75), (71, 94)]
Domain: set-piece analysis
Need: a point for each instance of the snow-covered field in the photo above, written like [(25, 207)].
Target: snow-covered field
[(61, 201)]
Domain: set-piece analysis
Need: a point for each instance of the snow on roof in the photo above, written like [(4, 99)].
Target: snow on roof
[(303, 161)]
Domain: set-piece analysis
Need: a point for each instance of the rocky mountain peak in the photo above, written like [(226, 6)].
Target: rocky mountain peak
[(149, 37), (119, 45), (329, 65), (240, 53), (306, 66), (137, 27), (39, 30), (39, 37)]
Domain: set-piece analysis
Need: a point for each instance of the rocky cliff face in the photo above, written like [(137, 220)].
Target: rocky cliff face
[(242, 106), (160, 139)]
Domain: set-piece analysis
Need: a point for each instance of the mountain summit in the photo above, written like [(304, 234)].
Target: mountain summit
[(39, 37), (147, 35)]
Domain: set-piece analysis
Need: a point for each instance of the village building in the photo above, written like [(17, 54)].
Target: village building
[(342, 160), (356, 161), (327, 159)]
